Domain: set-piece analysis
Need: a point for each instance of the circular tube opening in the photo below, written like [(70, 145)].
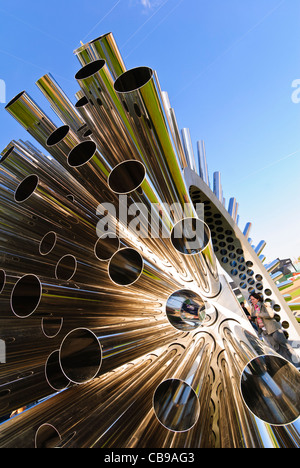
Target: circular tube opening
[(51, 326), (133, 79), (125, 267), (90, 69), (26, 188), (106, 247), (270, 389), (190, 236), (58, 135), (15, 99), (176, 405), (6, 154), (80, 356), (54, 375), (185, 310), (127, 177), (2, 280), (81, 103), (82, 153), (26, 296), (66, 268), (47, 437), (48, 243)]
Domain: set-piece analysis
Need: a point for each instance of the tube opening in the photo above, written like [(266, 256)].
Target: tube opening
[(80, 356), (6, 154), (106, 247), (82, 102), (270, 389), (185, 310), (100, 37), (66, 268), (51, 326), (58, 135), (133, 79), (82, 153), (125, 267), (26, 296), (47, 437), (48, 243), (26, 188), (176, 405), (90, 69), (190, 236), (54, 375), (15, 99), (2, 280), (127, 177)]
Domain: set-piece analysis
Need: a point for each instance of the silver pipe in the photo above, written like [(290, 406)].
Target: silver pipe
[(103, 47), (59, 102), (218, 186), (247, 229), (202, 162), (188, 148)]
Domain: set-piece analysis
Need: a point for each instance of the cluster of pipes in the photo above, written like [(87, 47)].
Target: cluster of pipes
[(121, 340)]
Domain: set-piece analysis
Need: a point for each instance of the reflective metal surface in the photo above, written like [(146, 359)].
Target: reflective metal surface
[(119, 327)]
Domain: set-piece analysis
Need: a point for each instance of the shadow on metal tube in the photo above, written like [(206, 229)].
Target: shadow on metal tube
[(80, 356)]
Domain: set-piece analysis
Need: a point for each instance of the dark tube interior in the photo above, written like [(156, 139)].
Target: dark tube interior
[(2, 280), (6, 154), (82, 102), (26, 188), (47, 437), (48, 243), (190, 236), (26, 296), (106, 247), (90, 69), (127, 177), (125, 267), (80, 355), (133, 79), (66, 268), (56, 378), (82, 153), (13, 100), (58, 135)]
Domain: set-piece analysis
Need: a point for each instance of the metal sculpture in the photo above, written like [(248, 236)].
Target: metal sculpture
[(118, 326)]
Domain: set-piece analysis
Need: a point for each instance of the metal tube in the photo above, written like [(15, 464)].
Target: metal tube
[(103, 47), (59, 101)]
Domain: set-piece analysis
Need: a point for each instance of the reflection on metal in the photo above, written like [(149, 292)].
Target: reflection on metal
[(126, 333), (263, 384)]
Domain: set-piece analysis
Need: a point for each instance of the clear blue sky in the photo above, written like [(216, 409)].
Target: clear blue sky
[(228, 66)]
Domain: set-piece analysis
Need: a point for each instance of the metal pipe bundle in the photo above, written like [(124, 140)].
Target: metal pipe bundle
[(119, 330)]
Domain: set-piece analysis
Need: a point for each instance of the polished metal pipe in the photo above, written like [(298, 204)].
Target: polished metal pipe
[(139, 91), (176, 400), (188, 148), (103, 47), (33, 193), (25, 110), (32, 295), (59, 102)]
